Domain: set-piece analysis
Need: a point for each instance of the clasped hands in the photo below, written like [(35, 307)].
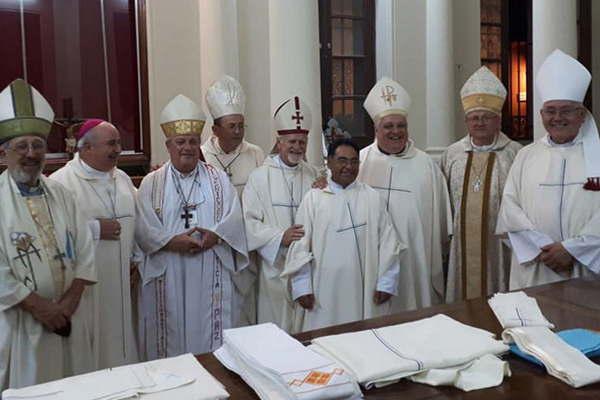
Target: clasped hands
[(55, 316), (187, 243), (308, 300), (556, 257)]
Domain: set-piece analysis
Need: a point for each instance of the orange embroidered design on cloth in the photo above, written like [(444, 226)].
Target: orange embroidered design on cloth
[(317, 378)]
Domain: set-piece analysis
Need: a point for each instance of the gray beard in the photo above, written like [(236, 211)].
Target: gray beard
[(21, 176)]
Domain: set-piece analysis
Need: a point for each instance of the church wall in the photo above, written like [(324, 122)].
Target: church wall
[(173, 61), (596, 59)]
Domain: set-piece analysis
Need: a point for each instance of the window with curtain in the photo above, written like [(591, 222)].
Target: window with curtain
[(87, 58)]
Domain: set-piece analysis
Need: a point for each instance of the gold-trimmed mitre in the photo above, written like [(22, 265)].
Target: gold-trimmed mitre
[(181, 116), (225, 97), (483, 91), (24, 111), (387, 97)]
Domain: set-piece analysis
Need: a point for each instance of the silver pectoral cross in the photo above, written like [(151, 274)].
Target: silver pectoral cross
[(477, 185)]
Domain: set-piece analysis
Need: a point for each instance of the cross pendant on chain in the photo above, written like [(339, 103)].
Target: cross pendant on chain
[(187, 215)]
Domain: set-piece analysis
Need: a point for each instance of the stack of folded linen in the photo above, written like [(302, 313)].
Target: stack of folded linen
[(278, 367), (179, 377), (517, 309), (526, 326), (436, 351)]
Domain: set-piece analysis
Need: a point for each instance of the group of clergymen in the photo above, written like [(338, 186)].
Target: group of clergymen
[(95, 274)]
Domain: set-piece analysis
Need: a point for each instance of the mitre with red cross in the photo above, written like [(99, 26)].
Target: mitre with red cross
[(387, 97), (292, 116)]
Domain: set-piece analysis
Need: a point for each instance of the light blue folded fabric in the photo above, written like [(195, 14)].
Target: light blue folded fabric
[(586, 341)]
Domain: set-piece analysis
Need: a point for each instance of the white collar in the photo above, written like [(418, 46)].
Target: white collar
[(181, 175), (336, 187), (485, 147), (577, 139), (93, 172)]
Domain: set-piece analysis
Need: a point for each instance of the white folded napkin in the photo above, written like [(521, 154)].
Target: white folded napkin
[(382, 356), (560, 359), (182, 377), (278, 367), (517, 309)]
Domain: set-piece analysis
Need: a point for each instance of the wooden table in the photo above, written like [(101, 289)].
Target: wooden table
[(569, 304)]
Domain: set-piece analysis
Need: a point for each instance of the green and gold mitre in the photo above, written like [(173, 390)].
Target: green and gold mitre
[(23, 111)]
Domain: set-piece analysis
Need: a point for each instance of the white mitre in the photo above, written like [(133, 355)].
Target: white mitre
[(225, 97), (292, 116), (561, 77), (387, 97), (181, 116), (483, 91)]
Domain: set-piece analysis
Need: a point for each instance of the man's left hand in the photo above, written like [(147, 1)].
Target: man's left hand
[(557, 258), (320, 183), (381, 297), (208, 240), (71, 298)]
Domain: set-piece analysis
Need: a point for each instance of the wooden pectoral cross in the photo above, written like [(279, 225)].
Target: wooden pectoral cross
[(187, 215)]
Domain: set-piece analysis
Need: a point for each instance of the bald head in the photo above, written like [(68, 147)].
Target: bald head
[(100, 147)]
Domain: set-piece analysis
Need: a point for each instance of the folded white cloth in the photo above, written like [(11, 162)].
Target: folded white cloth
[(560, 359), (177, 377), (277, 366), (486, 371), (517, 309), (382, 356)]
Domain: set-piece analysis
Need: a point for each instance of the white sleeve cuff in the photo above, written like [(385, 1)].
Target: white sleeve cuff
[(388, 282), (302, 282), (526, 245), (586, 250), (94, 225), (270, 251)]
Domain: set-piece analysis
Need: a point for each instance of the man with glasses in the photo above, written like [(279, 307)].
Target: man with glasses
[(476, 168), (271, 199), (346, 265), (46, 254), (109, 195), (551, 203), (414, 193), (189, 224)]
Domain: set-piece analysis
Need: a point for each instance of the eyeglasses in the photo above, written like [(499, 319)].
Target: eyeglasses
[(484, 119), (563, 112), (346, 161), (23, 147)]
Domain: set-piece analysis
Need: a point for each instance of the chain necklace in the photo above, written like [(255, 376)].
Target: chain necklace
[(227, 168), (477, 183), (185, 200), (290, 188)]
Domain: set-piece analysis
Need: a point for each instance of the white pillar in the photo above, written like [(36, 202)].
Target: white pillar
[(419, 54), (554, 25), (279, 58), (467, 54), (596, 59), (173, 61), (441, 95)]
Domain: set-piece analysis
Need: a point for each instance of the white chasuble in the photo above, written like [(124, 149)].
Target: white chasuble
[(45, 245), (270, 202), (112, 196), (415, 195), (237, 164), (479, 261), (187, 300), (349, 251), (544, 201)]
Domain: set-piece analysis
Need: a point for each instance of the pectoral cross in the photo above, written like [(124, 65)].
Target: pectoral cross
[(228, 172), (187, 215)]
